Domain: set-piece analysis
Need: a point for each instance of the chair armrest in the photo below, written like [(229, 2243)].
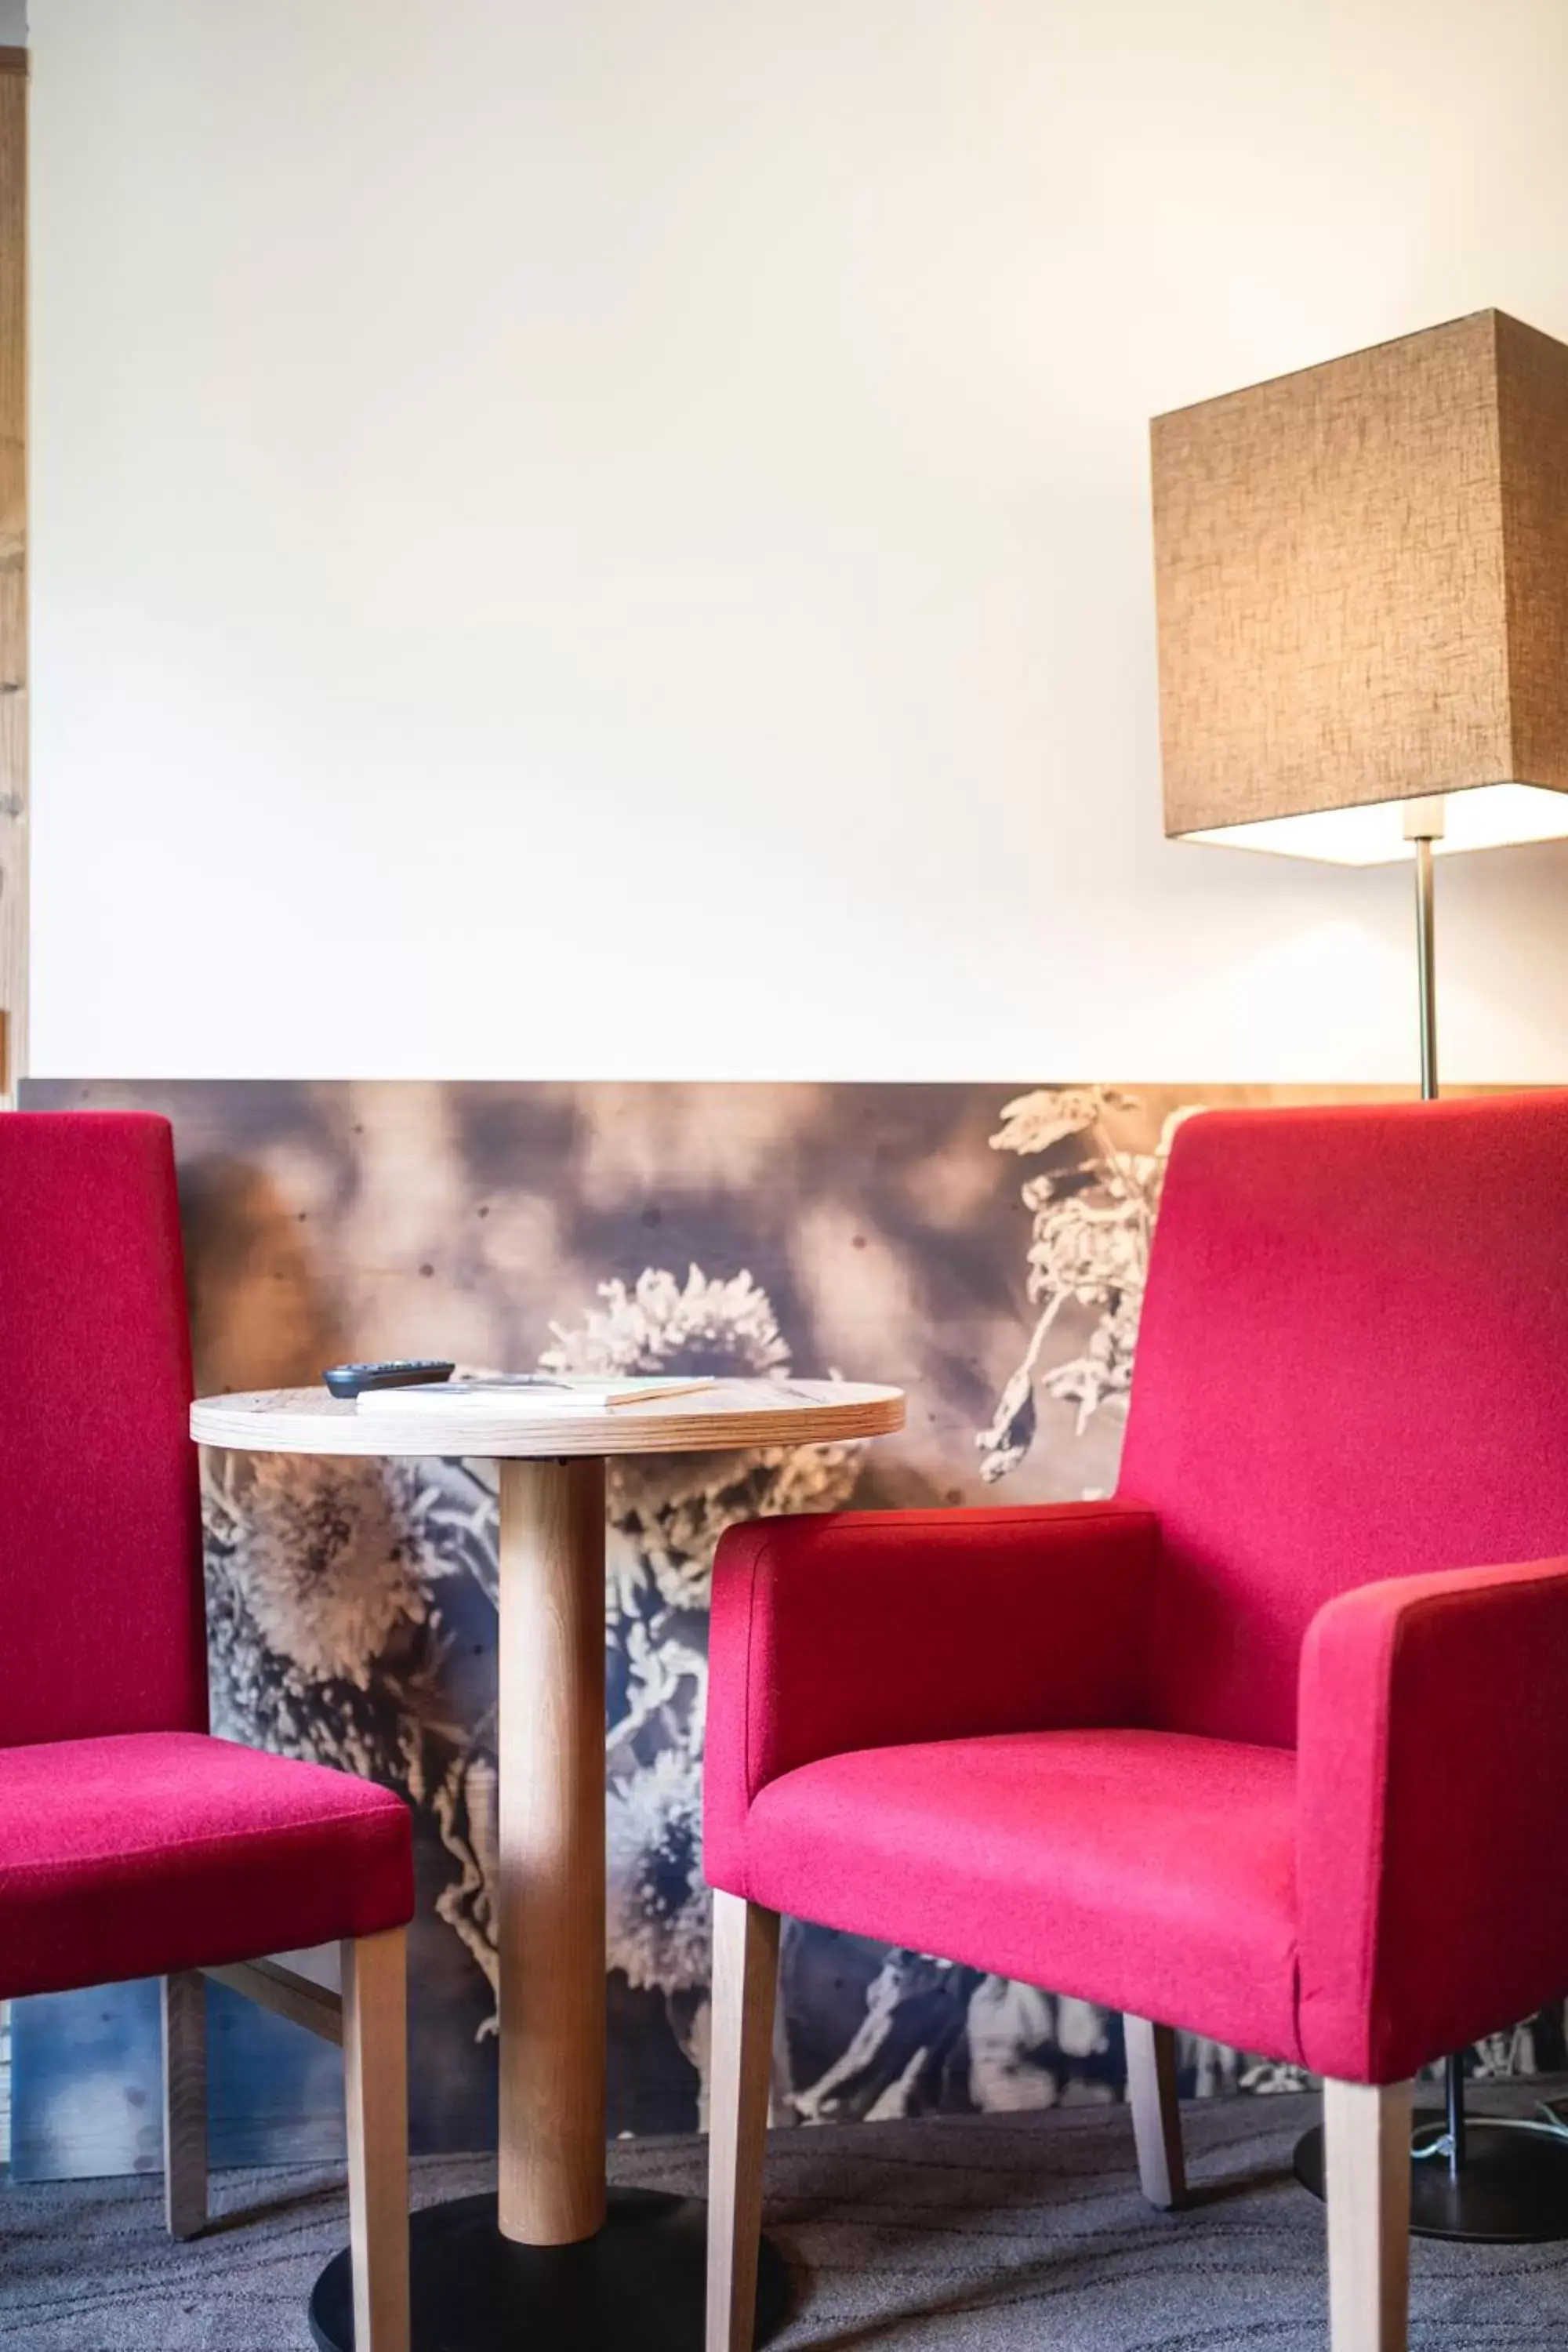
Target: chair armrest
[(867, 1629), (1433, 1768)]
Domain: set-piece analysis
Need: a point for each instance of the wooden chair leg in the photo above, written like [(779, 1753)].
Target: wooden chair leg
[(1156, 2113), (1367, 2130), (184, 2006), (375, 2092), (745, 1980)]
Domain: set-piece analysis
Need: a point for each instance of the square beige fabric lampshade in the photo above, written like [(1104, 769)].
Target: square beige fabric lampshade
[(1362, 578)]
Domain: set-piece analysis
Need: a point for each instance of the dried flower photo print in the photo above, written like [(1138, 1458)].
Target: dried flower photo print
[(984, 1247)]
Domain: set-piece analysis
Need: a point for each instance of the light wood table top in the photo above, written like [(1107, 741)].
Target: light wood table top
[(730, 1413)]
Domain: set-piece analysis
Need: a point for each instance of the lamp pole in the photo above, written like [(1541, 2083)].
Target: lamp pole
[(1427, 966), (1424, 825)]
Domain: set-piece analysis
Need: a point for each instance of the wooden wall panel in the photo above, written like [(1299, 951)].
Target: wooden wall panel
[(13, 564)]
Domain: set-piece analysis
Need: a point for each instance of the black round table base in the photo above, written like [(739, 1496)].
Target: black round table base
[(639, 2284), (1511, 2191)]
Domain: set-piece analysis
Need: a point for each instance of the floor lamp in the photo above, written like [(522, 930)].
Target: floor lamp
[(1362, 578)]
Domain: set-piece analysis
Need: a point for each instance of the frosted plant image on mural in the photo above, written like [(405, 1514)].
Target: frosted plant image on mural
[(1093, 1203), (984, 1247)]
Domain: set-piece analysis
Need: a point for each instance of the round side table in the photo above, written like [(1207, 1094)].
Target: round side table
[(554, 2263)]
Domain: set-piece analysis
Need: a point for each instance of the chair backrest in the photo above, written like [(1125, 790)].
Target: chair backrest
[(1353, 1364), (99, 1527)]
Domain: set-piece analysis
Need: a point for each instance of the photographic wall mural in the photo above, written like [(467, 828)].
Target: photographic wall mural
[(983, 1246)]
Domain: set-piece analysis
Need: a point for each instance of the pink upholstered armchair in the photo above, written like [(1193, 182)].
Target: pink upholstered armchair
[(131, 1844), (1265, 1746)]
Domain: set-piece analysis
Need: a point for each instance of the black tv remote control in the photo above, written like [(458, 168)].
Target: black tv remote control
[(352, 1379)]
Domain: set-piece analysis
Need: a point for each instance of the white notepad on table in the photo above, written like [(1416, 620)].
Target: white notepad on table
[(547, 1394)]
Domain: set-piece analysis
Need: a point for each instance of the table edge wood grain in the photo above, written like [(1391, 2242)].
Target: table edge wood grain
[(735, 1414)]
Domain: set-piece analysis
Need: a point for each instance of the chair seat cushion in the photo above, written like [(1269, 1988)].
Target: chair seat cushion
[(136, 1855), (1153, 1872)]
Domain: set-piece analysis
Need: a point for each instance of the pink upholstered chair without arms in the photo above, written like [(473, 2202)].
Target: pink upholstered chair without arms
[(1263, 1748), (131, 1844)]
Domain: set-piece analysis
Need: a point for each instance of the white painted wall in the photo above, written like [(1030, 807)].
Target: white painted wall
[(610, 539)]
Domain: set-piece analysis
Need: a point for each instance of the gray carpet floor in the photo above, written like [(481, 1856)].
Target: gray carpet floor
[(983, 2234)]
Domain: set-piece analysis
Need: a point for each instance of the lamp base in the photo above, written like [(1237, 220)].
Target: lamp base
[(1511, 2189), (639, 2286)]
